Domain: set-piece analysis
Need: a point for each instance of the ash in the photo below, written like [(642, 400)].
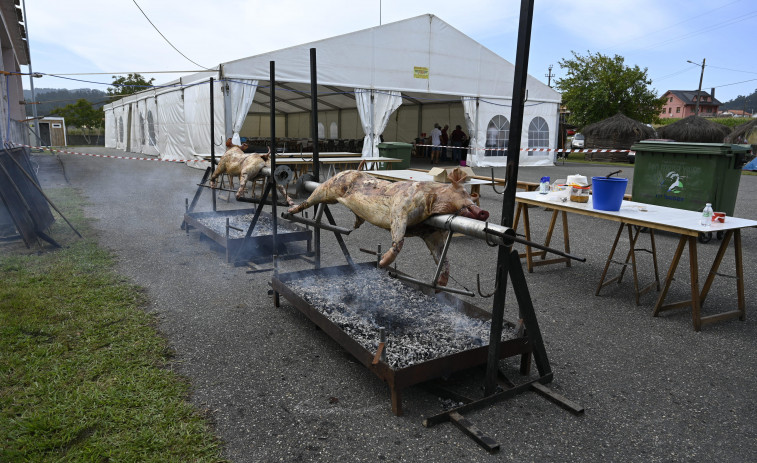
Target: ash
[(263, 227), (418, 327)]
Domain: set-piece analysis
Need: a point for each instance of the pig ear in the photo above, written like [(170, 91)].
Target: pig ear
[(228, 143), (457, 176)]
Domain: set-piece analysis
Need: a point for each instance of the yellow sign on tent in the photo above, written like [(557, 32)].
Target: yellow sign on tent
[(420, 72)]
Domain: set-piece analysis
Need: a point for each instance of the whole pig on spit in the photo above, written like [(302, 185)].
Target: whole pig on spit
[(400, 207), (246, 166)]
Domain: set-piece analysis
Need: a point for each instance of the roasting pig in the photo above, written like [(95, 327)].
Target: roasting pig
[(399, 207), (235, 162)]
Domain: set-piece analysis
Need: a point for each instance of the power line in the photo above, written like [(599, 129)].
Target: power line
[(127, 72), (164, 37)]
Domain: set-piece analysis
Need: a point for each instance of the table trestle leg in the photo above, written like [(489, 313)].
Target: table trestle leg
[(630, 257)]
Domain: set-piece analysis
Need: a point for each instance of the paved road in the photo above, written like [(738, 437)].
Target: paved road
[(653, 389)]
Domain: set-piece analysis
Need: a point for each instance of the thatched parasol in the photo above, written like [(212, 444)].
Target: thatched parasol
[(616, 132), (695, 129), (745, 133)]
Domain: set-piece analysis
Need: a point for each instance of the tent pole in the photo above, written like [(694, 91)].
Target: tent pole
[(314, 132), (274, 221), (474, 154), (372, 129), (212, 139)]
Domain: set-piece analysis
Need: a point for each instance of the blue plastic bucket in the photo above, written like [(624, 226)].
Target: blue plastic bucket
[(607, 192)]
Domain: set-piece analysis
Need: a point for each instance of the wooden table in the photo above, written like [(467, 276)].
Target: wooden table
[(678, 221)]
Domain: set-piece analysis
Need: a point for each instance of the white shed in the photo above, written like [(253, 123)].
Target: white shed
[(396, 79)]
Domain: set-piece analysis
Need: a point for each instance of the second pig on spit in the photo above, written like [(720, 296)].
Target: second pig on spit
[(400, 207)]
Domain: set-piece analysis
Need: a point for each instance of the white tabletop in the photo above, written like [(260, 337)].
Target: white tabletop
[(679, 220), (418, 176)]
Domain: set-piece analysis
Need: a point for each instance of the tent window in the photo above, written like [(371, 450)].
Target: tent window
[(497, 134), (151, 129), (538, 135), (141, 129), (121, 129), (333, 131), (321, 131)]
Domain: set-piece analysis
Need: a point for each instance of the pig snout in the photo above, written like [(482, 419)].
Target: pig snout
[(475, 212)]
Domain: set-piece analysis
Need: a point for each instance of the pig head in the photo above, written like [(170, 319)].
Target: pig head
[(400, 207), (246, 166)]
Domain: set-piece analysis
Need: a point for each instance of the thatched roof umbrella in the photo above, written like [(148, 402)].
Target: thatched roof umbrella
[(745, 133), (695, 129), (617, 132)]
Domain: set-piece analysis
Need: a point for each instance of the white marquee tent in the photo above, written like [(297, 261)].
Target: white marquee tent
[(397, 78)]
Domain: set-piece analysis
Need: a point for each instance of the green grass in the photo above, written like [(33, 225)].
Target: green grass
[(83, 370)]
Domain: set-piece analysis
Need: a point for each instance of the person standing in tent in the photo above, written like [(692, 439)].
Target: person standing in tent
[(446, 155), (436, 139), (458, 139)]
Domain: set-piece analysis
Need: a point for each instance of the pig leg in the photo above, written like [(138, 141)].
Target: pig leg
[(358, 221), (399, 224), (220, 169), (435, 243), (284, 194), (322, 194)]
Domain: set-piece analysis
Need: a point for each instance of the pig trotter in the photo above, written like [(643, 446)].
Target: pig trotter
[(391, 254)]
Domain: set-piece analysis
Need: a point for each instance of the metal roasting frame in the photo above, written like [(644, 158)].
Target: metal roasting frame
[(529, 344)]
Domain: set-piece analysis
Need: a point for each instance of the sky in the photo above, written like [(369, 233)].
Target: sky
[(77, 39)]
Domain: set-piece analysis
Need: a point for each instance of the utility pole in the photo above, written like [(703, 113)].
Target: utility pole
[(701, 75), (549, 76)]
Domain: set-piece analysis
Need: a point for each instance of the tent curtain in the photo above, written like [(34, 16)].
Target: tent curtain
[(375, 116), (470, 108), (241, 92)]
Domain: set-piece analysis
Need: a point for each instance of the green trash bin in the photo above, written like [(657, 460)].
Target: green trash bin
[(688, 175), (398, 150)]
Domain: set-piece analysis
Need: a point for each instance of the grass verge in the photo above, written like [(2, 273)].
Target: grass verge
[(83, 370)]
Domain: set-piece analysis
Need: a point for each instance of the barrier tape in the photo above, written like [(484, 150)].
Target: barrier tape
[(559, 150), (131, 158)]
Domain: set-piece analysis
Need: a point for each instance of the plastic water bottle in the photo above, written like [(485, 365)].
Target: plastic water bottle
[(544, 185), (706, 215)]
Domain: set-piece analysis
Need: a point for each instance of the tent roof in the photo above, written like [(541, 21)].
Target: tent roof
[(423, 57)]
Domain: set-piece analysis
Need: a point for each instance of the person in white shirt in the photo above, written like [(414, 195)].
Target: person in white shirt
[(436, 142)]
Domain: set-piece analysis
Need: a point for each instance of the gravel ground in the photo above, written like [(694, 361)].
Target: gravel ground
[(279, 389)]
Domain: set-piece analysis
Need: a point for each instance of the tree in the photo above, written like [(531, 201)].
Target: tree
[(597, 87), (80, 114), (123, 86)]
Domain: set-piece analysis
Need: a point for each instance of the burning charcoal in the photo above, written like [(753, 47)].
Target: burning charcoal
[(418, 327)]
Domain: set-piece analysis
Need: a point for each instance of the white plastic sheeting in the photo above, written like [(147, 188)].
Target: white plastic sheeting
[(172, 136), (242, 92), (110, 128), (374, 109), (197, 119)]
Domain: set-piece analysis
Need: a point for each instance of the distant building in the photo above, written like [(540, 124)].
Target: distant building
[(682, 103), (734, 113), (52, 131)]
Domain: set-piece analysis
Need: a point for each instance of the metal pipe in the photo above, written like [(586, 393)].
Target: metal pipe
[(325, 226), (212, 138)]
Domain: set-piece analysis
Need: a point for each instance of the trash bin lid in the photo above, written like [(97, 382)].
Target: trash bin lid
[(675, 147)]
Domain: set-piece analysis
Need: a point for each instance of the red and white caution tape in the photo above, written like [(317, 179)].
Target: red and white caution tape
[(132, 158), (559, 150)]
